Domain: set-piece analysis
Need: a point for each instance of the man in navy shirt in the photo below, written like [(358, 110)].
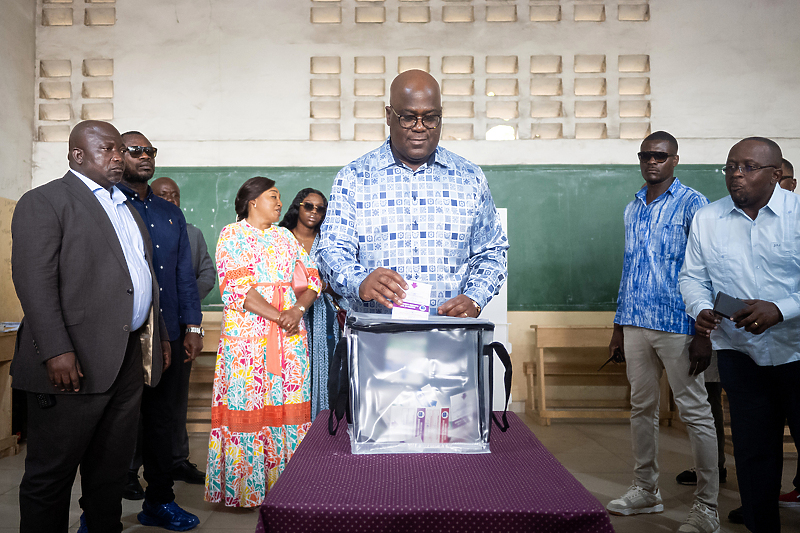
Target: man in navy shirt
[(180, 307)]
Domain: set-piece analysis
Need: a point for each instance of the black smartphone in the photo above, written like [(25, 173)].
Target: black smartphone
[(46, 400), (727, 306)]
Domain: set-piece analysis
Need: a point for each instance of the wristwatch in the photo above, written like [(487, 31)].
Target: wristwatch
[(478, 307), (301, 308), (196, 329)]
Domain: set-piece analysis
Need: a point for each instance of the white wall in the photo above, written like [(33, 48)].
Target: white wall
[(17, 40)]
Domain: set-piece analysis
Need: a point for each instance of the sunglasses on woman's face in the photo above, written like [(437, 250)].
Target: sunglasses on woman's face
[(308, 206)]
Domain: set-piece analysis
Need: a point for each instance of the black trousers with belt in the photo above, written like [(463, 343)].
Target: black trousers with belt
[(95, 432)]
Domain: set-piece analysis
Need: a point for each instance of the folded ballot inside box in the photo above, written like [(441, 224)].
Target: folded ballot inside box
[(420, 385)]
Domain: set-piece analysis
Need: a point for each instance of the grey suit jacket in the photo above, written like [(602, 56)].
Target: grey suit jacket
[(204, 271), (72, 280)]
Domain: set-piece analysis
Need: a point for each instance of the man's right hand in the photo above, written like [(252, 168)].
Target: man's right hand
[(706, 322), (699, 354), (617, 344), (384, 286), (64, 372)]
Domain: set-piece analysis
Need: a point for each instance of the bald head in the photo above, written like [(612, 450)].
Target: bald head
[(771, 150), (95, 150), (83, 130), (167, 189), (411, 82), (415, 96)]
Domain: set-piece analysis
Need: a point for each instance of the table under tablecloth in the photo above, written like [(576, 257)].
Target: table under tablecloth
[(520, 486)]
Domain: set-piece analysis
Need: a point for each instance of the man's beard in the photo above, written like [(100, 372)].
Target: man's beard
[(136, 178)]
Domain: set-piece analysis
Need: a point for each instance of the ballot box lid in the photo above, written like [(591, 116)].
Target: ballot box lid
[(380, 322)]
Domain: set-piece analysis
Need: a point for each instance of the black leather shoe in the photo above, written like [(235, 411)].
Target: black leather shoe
[(188, 472), (133, 489), (736, 516), (689, 477)]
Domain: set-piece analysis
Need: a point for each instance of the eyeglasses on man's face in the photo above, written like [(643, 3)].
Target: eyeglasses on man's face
[(730, 169), (136, 151), (408, 122), (660, 157), (308, 206)]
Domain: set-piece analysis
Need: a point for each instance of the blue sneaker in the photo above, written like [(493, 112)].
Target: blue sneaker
[(167, 515), (83, 528)]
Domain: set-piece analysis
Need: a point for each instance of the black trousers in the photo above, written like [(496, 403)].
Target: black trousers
[(180, 439), (93, 431), (761, 399), (714, 390)]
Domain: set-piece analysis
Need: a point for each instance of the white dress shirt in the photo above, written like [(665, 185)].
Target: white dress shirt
[(130, 238), (748, 259)]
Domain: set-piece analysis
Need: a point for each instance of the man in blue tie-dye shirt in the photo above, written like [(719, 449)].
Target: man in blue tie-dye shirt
[(412, 211), (652, 332)]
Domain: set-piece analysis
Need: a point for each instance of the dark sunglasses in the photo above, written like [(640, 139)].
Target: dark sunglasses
[(136, 151), (308, 206), (660, 157)]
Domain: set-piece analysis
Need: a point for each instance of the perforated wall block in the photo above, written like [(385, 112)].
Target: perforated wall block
[(370, 132), (458, 109), (458, 14), (634, 108), (590, 86), (92, 68), (590, 13), (591, 130), (502, 109), (590, 63), (634, 130), (55, 90), (369, 109), (325, 87), (634, 13), (324, 132), (413, 63), (370, 65), (456, 131), (502, 87), (370, 14), (546, 87), (57, 16), (55, 68), (100, 16), (414, 14), (502, 64), (545, 64), (546, 109), (369, 87), (634, 86), (326, 65), (545, 13), (458, 65), (501, 132), (57, 1), (634, 63), (55, 112), (547, 130), (98, 89), (325, 109), (590, 109), (326, 14), (100, 1), (458, 87), (501, 13), (97, 112), (53, 134)]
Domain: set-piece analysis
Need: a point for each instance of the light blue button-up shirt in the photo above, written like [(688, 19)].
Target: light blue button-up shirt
[(748, 259), (437, 225), (130, 238)]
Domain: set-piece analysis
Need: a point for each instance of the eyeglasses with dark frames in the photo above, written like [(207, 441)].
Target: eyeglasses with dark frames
[(729, 170), (660, 157), (136, 151), (308, 206), (408, 122)]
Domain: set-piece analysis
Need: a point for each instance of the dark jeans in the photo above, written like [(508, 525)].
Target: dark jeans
[(714, 390), (761, 399), (93, 431), (180, 439)]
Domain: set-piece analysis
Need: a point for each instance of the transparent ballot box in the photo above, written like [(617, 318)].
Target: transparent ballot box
[(420, 385)]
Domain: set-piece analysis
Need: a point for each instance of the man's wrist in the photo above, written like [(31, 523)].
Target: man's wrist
[(195, 329)]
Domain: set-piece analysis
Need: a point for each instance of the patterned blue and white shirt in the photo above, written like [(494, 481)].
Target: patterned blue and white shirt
[(655, 245), (437, 225)]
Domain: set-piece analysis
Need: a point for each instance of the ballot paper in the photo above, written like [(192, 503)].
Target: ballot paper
[(416, 305), (418, 425)]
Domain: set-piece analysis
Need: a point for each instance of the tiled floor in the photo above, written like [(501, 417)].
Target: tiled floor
[(598, 455)]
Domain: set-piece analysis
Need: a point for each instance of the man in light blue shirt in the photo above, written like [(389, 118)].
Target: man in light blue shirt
[(652, 332), (413, 211), (747, 245)]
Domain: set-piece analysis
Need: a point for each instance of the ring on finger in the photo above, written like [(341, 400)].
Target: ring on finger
[(755, 324)]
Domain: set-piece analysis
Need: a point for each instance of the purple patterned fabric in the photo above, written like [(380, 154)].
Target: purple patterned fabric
[(520, 486)]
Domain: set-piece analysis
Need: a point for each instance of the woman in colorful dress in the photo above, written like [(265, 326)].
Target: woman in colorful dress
[(304, 218), (261, 404)]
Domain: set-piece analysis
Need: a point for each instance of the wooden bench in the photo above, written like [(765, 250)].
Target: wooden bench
[(8, 442), (541, 373)]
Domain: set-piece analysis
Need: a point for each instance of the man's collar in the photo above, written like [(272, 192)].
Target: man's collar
[(386, 157), (130, 193), (94, 187), (775, 204), (642, 193)]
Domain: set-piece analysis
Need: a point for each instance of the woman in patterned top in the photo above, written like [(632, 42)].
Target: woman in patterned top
[(261, 404), (304, 218)]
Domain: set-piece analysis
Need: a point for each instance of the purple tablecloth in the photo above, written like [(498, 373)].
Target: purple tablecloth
[(520, 486)]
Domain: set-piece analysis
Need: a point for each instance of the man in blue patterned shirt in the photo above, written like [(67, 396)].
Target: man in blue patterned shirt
[(413, 211), (652, 331)]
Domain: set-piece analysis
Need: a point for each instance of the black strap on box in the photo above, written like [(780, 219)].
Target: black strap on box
[(502, 354), (338, 387)]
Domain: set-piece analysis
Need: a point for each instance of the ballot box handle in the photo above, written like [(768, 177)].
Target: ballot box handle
[(502, 354)]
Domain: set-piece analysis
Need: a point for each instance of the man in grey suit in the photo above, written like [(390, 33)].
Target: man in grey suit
[(81, 265)]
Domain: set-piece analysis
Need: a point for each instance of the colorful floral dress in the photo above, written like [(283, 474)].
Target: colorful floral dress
[(261, 407)]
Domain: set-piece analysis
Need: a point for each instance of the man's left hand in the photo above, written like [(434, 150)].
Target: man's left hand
[(192, 345), (461, 306), (699, 354), (757, 317), (166, 355)]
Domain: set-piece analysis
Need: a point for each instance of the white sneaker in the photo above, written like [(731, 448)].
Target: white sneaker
[(701, 519), (636, 501)]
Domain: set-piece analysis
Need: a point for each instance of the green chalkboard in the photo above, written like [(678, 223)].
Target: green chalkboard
[(564, 221)]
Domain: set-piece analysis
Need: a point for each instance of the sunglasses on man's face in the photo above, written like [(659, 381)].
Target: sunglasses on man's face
[(660, 157), (308, 206), (136, 151)]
